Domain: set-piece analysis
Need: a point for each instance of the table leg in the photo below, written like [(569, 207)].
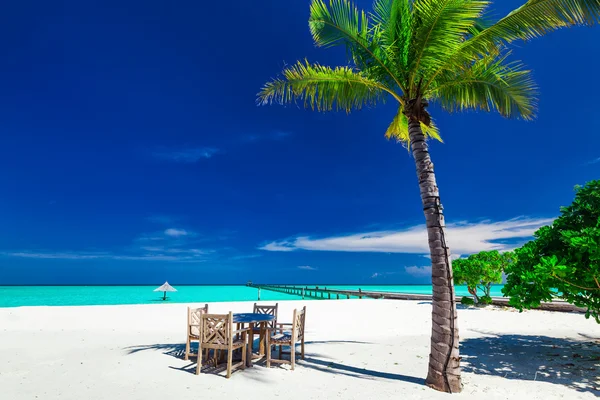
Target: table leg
[(250, 346)]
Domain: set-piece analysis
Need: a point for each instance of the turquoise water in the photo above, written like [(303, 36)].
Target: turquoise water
[(16, 296)]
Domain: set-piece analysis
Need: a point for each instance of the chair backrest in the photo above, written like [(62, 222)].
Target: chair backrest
[(215, 330), (269, 310), (298, 324), (194, 318)]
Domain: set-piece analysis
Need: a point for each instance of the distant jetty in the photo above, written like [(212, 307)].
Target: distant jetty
[(316, 292)]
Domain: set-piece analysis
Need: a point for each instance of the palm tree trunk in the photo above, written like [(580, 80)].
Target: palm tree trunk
[(444, 361)]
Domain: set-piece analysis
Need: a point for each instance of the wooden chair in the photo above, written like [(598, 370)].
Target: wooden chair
[(261, 309), (216, 333), (193, 328), (287, 338)]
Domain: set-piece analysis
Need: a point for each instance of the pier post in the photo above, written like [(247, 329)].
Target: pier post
[(338, 296), (302, 293), (348, 296), (329, 294), (359, 293), (258, 294)]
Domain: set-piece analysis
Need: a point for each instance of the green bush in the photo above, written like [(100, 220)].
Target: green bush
[(564, 259), (467, 301), (479, 271), (485, 300)]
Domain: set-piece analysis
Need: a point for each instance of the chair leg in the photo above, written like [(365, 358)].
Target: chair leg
[(229, 361), (187, 349), (293, 354), (244, 350), (268, 351), (199, 363), (302, 348)]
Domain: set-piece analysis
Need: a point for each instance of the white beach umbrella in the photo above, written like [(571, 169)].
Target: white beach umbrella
[(165, 287)]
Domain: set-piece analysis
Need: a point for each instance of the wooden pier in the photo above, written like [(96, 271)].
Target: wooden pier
[(335, 294)]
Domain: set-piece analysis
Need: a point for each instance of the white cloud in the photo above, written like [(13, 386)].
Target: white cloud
[(170, 245), (274, 135), (382, 274), (307, 268), (452, 256), (191, 156), (244, 257), (418, 272), (278, 135), (173, 232), (462, 237), (596, 161), (275, 246), (179, 255), (161, 219), (60, 255), (78, 255)]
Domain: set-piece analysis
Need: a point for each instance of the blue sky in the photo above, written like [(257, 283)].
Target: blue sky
[(132, 151)]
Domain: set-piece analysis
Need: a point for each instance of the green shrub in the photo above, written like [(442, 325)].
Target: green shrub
[(564, 259), (485, 300), (479, 271), (467, 301)]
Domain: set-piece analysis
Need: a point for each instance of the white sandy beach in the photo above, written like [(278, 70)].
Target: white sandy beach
[(356, 349)]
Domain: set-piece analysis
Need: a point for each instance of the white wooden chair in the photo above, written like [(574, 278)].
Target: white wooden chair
[(263, 309), (279, 336), (216, 333), (193, 328)]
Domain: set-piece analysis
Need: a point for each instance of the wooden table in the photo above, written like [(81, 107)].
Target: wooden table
[(252, 319)]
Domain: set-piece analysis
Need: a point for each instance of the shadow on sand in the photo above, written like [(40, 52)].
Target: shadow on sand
[(568, 362), (312, 361)]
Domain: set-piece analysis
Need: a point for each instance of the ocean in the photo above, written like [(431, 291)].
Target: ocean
[(17, 296)]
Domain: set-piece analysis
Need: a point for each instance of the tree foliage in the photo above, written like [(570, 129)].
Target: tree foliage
[(479, 271), (564, 259)]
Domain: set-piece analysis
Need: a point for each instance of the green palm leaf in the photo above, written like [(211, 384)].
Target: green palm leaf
[(342, 23), (398, 130), (441, 26), (533, 19), (490, 83), (393, 22), (323, 88)]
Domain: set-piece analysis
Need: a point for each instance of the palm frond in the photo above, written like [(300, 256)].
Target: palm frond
[(398, 130), (440, 28), (341, 22), (537, 18), (394, 21), (488, 84), (533, 19), (324, 88)]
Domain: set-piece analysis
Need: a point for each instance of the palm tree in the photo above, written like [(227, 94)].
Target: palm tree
[(415, 52)]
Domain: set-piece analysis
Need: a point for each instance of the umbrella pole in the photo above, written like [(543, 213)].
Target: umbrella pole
[(165, 295)]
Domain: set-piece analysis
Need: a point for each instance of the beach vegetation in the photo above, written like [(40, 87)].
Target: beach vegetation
[(480, 271), (563, 261), (467, 301), (414, 53)]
